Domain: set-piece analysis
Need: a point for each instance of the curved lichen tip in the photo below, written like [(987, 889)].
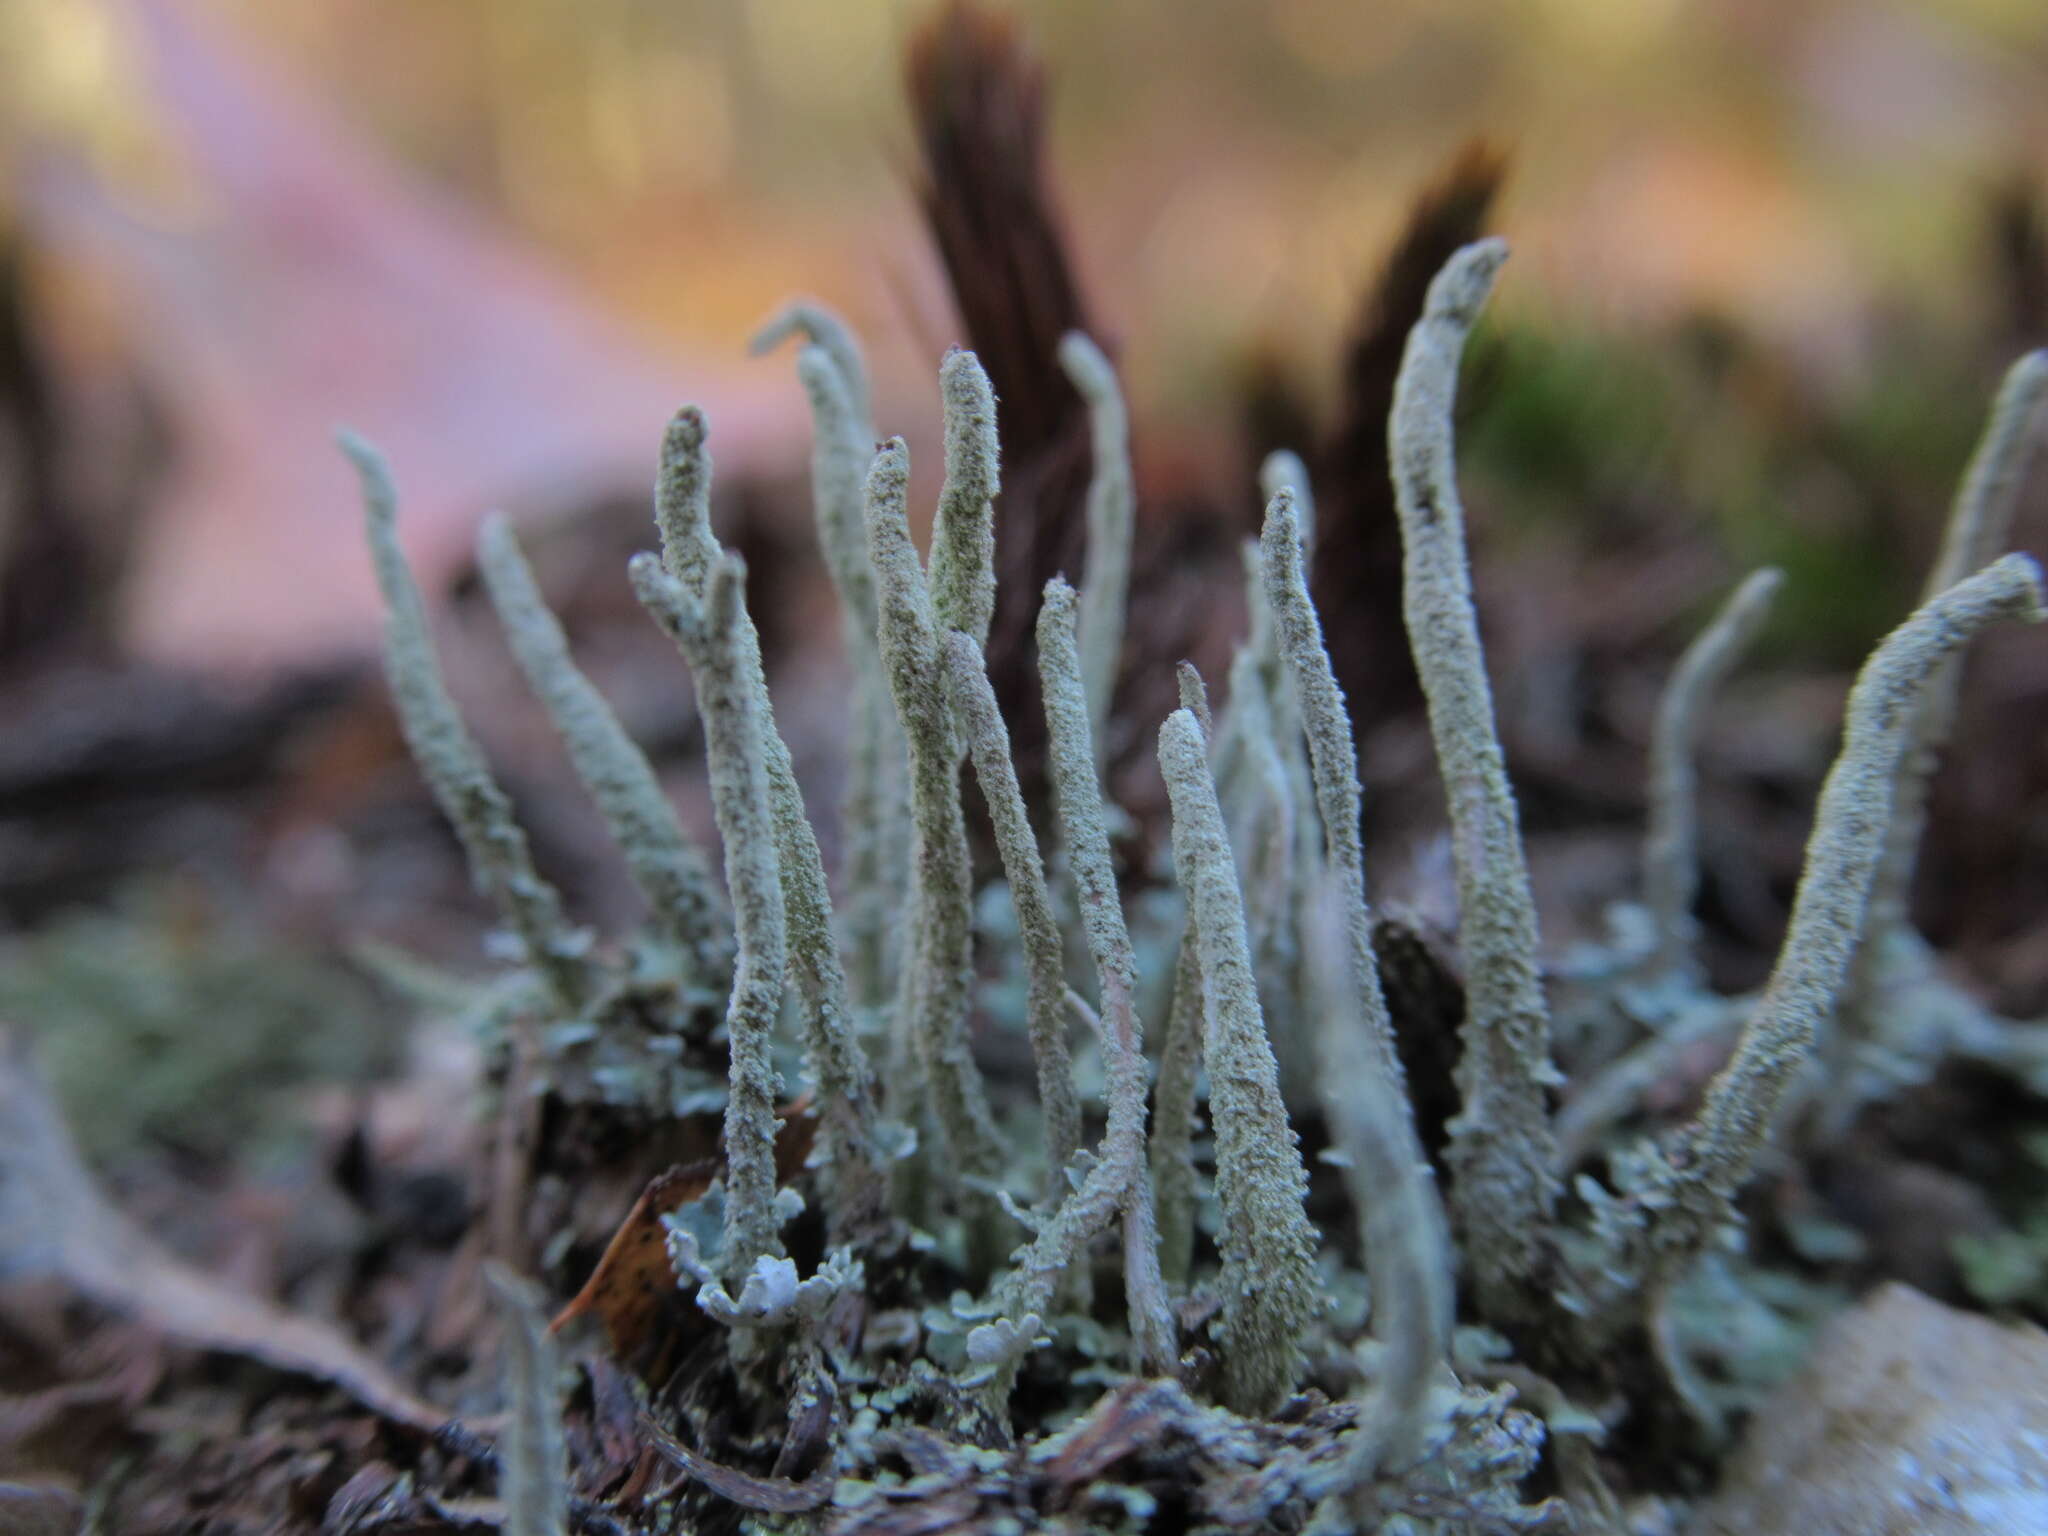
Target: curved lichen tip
[(1280, 535), (2018, 581), (823, 328), (1460, 290), (1089, 368), (380, 499)]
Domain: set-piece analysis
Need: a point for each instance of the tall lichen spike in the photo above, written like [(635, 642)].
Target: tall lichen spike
[(1270, 1290), (1501, 1148), (670, 870), (450, 760)]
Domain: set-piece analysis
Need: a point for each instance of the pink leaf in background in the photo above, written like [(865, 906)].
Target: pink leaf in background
[(312, 285)]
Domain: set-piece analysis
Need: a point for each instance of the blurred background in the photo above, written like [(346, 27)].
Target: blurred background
[(1770, 259)]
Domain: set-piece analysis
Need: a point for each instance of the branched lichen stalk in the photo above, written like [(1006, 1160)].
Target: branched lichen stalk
[(670, 869), (1045, 1004), (452, 763), (1501, 1150), (1695, 1195), (1077, 792), (963, 568), (1269, 1286), (690, 552), (1333, 761), (533, 1455), (1979, 529), (1111, 509), (709, 635), (875, 818), (939, 979), (1407, 1249), (1671, 872)]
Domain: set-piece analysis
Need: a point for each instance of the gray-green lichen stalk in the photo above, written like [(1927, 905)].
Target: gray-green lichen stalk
[(690, 553), (533, 1454), (452, 763), (875, 817), (1084, 825), (1671, 874), (1979, 529), (669, 869), (1045, 998), (1110, 520), (1501, 1151), (938, 972), (1270, 1292), (1691, 1199), (709, 636)]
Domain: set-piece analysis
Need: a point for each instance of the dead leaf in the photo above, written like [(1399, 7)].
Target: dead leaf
[(633, 1280), (770, 1495), (361, 296), (55, 1224)]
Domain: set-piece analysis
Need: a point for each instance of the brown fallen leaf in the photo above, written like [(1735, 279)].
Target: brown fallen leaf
[(55, 1224), (633, 1282)]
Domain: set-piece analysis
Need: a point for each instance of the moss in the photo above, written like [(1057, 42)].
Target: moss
[(150, 1016)]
